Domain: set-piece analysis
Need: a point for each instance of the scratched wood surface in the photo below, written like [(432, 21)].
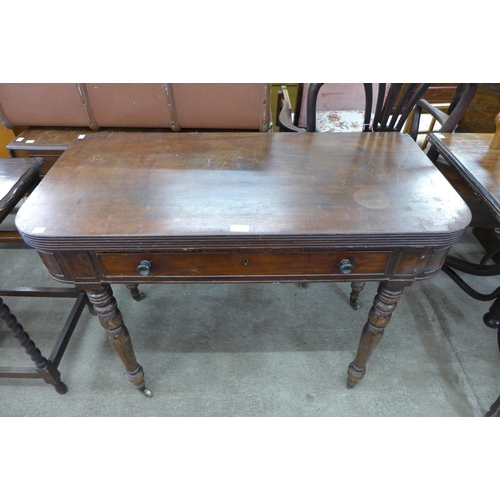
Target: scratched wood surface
[(472, 158), (114, 185)]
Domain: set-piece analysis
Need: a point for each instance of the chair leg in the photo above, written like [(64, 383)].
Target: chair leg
[(492, 318), (489, 255), (494, 250), (45, 368)]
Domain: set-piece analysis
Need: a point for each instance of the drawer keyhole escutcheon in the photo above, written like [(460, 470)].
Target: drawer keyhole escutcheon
[(245, 261), (346, 266), (144, 267)]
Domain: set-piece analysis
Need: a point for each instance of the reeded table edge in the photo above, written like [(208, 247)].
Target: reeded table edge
[(319, 242)]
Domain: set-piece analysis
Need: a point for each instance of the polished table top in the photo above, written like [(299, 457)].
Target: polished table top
[(477, 163), (119, 190)]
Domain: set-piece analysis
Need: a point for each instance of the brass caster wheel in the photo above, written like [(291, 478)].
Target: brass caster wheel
[(147, 392)]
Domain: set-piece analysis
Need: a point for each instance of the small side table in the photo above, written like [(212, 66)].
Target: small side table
[(18, 176), (476, 158), (471, 156)]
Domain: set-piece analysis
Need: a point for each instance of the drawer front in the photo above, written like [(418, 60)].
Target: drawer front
[(243, 263)]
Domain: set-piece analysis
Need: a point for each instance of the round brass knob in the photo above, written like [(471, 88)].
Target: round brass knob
[(144, 267)]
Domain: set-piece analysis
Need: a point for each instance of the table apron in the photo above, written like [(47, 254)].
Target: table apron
[(245, 265)]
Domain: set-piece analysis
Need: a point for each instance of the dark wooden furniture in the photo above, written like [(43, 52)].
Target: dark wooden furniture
[(448, 120), (476, 162), (242, 207), (331, 97), (479, 117), (474, 166), (384, 118), (387, 107), (17, 178), (351, 96), (478, 165), (45, 142)]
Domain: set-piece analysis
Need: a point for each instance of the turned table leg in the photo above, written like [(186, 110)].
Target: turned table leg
[(356, 289), (112, 321), (385, 301), (136, 294)]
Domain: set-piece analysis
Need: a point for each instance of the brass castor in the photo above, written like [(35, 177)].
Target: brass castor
[(146, 392)]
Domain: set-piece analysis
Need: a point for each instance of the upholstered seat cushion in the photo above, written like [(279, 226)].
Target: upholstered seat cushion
[(352, 121), (339, 121)]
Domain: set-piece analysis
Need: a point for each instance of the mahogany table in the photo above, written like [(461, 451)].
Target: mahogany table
[(471, 156), (242, 207)]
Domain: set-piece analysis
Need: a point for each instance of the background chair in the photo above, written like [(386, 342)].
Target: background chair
[(339, 107), (17, 178), (368, 107), (448, 119)]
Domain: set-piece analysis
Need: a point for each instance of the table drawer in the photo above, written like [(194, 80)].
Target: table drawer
[(243, 263)]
